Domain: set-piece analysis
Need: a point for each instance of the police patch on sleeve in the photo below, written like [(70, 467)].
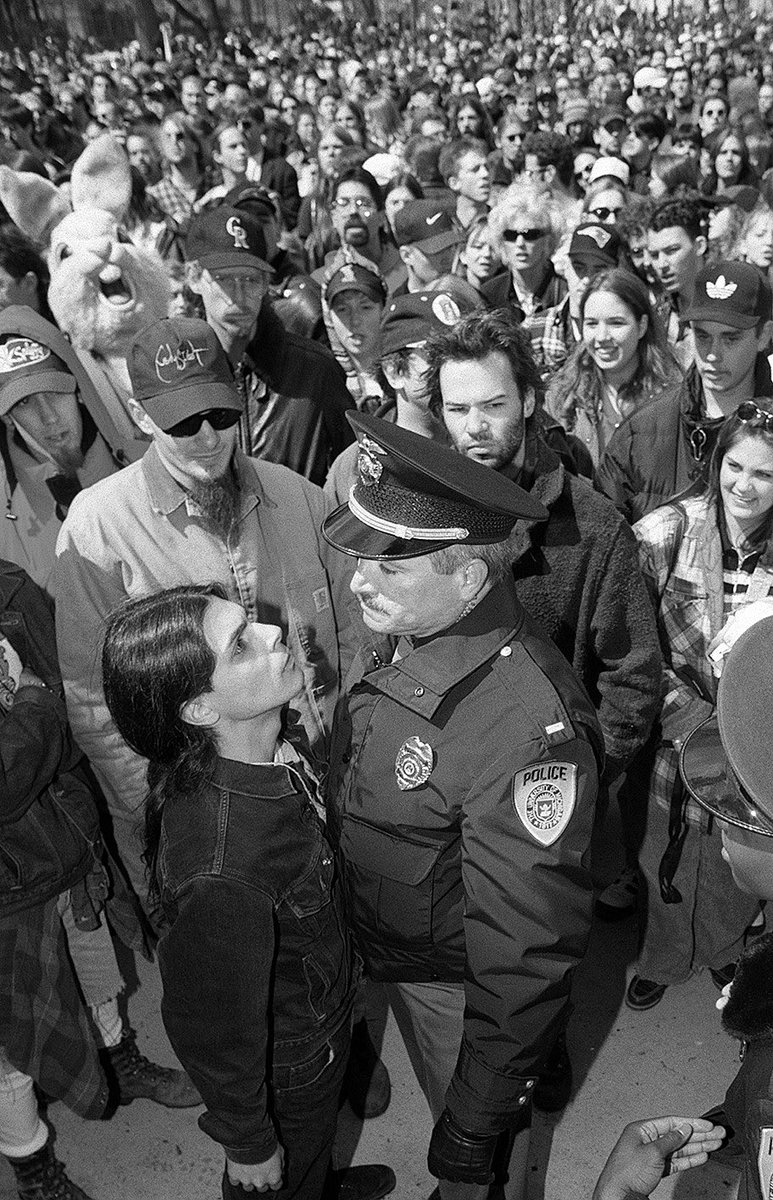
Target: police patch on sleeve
[(765, 1163), (544, 796)]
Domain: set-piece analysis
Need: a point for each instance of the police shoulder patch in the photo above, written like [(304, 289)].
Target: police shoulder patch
[(765, 1162), (544, 796)]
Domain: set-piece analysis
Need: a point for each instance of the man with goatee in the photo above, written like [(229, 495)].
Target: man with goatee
[(194, 509)]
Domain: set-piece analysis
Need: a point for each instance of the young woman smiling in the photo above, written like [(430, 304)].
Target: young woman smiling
[(621, 364)]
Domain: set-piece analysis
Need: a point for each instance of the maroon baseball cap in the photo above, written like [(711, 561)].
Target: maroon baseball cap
[(177, 368)]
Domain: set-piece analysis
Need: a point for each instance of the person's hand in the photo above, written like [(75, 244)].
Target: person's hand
[(259, 1177), (648, 1150)]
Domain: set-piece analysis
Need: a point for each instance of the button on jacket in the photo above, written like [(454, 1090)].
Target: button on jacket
[(256, 962), (445, 880)]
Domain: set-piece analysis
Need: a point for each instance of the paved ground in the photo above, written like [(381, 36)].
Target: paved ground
[(674, 1058)]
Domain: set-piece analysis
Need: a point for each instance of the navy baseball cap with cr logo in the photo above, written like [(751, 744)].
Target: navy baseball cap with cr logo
[(227, 237)]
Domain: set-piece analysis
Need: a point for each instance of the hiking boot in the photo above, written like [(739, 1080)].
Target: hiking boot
[(620, 898), (644, 993), (554, 1086), (40, 1176), (134, 1077)]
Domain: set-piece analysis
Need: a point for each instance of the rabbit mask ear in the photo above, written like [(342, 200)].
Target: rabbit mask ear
[(101, 178), (34, 204)]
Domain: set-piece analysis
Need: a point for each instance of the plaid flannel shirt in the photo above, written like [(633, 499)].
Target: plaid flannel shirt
[(552, 337), (694, 592)]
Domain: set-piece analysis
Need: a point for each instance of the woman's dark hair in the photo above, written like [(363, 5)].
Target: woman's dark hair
[(578, 384), (731, 432), (675, 171), (747, 176), (155, 658)]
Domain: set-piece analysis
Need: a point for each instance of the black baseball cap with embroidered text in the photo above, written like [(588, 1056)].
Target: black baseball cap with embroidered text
[(28, 367), (177, 368), (730, 293)]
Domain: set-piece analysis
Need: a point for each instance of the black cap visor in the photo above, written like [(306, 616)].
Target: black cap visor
[(710, 780)]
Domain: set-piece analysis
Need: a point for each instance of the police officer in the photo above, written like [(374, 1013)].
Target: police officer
[(725, 764), (463, 784)]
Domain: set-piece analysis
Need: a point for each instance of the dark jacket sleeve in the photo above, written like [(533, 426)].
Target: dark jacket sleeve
[(215, 966), (527, 922), (35, 747), (614, 473), (281, 177), (627, 647)]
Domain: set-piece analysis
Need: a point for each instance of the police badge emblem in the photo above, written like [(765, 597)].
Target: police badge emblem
[(414, 764), (367, 464), (544, 796)]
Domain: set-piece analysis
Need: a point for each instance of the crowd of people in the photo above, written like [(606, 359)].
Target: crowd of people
[(386, 442)]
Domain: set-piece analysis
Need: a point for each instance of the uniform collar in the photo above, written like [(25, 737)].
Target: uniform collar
[(166, 494), (423, 678)]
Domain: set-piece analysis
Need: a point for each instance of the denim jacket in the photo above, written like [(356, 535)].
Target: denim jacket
[(256, 962)]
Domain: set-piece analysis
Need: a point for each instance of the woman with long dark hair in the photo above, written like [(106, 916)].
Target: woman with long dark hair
[(622, 363), (704, 558), (729, 164), (255, 958)]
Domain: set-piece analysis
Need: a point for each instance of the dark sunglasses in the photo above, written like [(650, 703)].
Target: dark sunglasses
[(528, 235), (219, 418), (749, 412), (603, 213)]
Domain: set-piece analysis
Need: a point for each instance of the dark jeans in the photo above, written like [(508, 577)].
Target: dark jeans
[(304, 1109)]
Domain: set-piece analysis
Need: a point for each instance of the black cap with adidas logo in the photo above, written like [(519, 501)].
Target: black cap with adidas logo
[(730, 293)]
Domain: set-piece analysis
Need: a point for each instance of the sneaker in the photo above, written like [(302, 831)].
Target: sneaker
[(554, 1086), (41, 1176), (724, 975), (133, 1077), (644, 993), (620, 899)]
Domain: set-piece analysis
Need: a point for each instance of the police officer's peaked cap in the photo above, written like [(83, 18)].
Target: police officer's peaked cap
[(726, 762), (413, 496)]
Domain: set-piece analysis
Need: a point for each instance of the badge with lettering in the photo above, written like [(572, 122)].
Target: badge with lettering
[(414, 763), (544, 796), (765, 1163)]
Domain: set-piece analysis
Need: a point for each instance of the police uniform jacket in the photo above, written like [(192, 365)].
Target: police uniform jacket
[(476, 869), (748, 1016)]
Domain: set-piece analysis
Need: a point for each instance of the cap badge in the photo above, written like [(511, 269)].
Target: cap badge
[(435, 217), (170, 359), (414, 764), (720, 289), (599, 236), (22, 352), (237, 231), (544, 796), (367, 464), (347, 273), (446, 309)]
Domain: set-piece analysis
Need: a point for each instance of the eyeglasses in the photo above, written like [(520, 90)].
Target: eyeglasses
[(218, 418), (749, 412), (359, 202), (528, 235), (603, 213)]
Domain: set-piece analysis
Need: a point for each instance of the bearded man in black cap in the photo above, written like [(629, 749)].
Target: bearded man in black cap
[(294, 392), (463, 785)]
